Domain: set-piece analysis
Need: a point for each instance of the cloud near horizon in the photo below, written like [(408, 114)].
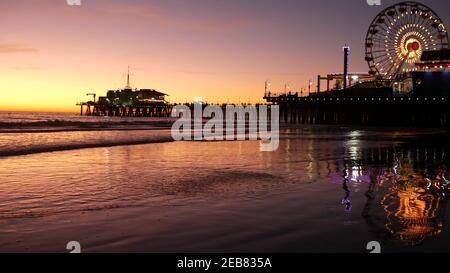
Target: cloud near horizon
[(15, 48)]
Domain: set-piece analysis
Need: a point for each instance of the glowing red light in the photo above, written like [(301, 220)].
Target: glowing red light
[(414, 46)]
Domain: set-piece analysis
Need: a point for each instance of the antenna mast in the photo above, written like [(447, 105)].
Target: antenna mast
[(128, 79)]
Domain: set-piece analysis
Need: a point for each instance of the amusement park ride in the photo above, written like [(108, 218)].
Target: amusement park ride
[(408, 83), (398, 37)]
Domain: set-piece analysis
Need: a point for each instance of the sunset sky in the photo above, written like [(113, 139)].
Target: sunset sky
[(52, 54)]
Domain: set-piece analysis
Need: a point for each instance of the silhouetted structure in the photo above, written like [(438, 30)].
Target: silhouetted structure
[(373, 103), (346, 50), (128, 103), (408, 83)]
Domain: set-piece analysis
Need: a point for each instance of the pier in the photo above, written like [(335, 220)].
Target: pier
[(127, 102), (408, 83), (134, 110), (363, 110)]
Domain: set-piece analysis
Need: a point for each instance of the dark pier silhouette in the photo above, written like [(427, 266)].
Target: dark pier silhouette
[(133, 110), (428, 111), (415, 98)]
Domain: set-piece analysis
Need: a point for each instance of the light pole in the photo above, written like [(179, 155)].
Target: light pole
[(309, 87), (266, 87), (346, 52), (286, 87)]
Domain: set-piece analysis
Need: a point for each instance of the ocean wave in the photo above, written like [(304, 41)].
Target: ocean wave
[(66, 126), (17, 151)]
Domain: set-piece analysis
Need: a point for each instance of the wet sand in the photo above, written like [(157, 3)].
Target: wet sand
[(224, 196)]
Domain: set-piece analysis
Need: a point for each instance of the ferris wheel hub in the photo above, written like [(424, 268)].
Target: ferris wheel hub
[(413, 46)]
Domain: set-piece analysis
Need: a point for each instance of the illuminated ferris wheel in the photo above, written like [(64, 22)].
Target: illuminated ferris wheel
[(399, 35)]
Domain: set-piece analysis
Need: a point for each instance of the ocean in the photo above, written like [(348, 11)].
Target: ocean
[(123, 185), (27, 133)]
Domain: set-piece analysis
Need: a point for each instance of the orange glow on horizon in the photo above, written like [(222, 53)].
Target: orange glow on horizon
[(53, 54)]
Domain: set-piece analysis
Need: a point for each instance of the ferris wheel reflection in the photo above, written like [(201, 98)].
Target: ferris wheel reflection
[(407, 192)]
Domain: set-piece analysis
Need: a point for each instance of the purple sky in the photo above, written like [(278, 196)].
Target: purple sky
[(187, 48)]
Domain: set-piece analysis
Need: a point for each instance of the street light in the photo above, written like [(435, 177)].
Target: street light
[(346, 52), (286, 87), (309, 87), (355, 79), (266, 87)]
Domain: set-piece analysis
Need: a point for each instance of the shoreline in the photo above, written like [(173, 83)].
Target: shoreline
[(148, 135)]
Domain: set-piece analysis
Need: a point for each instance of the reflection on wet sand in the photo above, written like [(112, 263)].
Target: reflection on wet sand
[(346, 201), (407, 192), (319, 186)]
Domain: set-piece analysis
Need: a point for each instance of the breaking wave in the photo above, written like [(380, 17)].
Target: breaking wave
[(35, 149)]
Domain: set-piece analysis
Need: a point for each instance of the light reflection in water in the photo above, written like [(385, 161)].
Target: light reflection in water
[(399, 190), (346, 201), (407, 194)]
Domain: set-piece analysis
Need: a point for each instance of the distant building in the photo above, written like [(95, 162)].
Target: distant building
[(130, 97), (435, 60)]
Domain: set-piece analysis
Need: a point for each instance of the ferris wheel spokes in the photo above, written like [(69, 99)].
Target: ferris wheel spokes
[(399, 35)]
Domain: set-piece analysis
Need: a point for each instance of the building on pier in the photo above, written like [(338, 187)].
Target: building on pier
[(128, 102)]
